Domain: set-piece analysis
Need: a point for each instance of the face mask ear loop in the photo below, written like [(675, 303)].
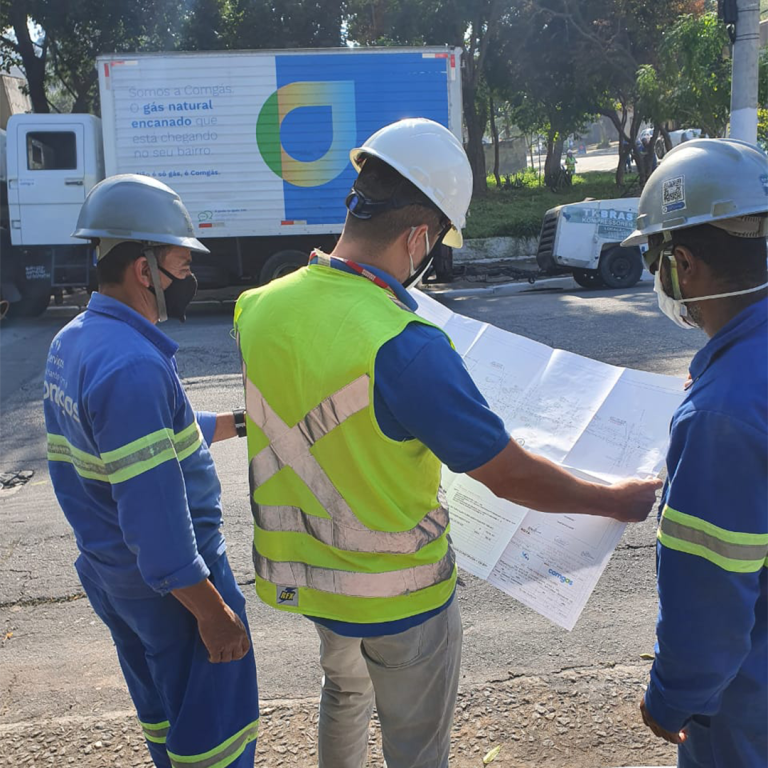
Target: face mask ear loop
[(162, 314), (410, 255)]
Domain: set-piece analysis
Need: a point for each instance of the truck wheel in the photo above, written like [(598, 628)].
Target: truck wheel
[(282, 263), (620, 267), (32, 306), (443, 264), (209, 276), (588, 278)]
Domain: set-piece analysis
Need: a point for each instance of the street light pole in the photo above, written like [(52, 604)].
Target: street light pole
[(746, 47)]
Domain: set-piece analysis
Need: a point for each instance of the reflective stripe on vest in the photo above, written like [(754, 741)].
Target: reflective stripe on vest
[(352, 583), (290, 447)]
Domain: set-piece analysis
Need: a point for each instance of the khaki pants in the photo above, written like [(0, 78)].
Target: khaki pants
[(413, 677)]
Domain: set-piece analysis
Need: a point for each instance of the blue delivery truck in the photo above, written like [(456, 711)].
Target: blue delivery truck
[(256, 143)]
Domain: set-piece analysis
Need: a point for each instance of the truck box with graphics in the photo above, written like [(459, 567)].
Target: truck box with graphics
[(585, 239), (256, 143)]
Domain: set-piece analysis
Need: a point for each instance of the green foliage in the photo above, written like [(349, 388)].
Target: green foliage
[(762, 127), (519, 212), (691, 80), (73, 33), (528, 178)]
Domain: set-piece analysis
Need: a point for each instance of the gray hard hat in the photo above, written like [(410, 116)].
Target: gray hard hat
[(130, 207), (723, 182)]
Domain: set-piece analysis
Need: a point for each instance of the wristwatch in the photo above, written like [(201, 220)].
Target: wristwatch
[(240, 422)]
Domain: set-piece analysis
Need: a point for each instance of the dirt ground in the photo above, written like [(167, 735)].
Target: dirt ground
[(579, 718)]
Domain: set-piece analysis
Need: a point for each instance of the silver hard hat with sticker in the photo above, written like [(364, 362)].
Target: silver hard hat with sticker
[(130, 207), (722, 182)]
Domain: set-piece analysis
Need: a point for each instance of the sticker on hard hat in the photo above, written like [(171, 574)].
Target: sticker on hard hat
[(673, 194), (764, 182)]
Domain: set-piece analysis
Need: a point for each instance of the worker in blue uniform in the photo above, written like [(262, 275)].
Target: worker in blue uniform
[(133, 473), (704, 214)]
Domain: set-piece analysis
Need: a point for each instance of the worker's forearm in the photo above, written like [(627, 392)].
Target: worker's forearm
[(537, 483), (202, 600), (225, 427), (547, 487)]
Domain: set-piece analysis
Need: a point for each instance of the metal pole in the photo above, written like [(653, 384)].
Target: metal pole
[(744, 79)]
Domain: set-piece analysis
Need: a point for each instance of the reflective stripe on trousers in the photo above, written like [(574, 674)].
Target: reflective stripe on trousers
[(155, 732), (221, 756), (290, 446)]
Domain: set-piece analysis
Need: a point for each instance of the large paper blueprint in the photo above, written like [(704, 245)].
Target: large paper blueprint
[(599, 421)]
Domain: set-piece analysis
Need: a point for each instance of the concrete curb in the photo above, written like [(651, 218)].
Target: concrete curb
[(564, 283), (482, 249), (508, 289)]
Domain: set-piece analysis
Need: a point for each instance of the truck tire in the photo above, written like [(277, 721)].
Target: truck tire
[(282, 263), (210, 276), (620, 267), (32, 306), (588, 278), (443, 264)]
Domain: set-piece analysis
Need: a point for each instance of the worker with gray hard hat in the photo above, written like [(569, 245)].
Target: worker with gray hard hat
[(138, 209), (704, 215), (130, 464)]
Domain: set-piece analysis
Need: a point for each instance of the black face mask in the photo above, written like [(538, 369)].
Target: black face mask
[(178, 294)]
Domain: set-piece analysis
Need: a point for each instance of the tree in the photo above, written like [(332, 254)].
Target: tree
[(691, 82), (72, 34), (283, 23), (610, 41), (532, 65), (19, 48), (469, 24)]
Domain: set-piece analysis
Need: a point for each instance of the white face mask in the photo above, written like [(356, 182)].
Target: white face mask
[(676, 310)]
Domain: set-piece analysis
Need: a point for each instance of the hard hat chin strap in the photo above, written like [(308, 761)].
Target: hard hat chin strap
[(157, 286)]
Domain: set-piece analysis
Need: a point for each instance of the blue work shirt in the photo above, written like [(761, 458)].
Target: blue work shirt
[(423, 391), (712, 651), (128, 457)]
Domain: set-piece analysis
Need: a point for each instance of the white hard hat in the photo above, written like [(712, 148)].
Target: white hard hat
[(432, 159)]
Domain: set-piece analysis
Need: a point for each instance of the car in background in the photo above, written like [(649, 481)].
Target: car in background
[(677, 137)]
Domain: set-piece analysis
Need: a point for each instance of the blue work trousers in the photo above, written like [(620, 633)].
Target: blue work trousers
[(194, 714), (718, 742)]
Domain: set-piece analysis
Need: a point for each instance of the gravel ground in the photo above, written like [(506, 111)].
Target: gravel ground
[(579, 718)]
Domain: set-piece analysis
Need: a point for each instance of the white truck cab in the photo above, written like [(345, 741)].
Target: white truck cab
[(52, 165), (585, 240), (52, 162)]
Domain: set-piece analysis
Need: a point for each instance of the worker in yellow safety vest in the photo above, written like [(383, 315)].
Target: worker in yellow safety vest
[(352, 404)]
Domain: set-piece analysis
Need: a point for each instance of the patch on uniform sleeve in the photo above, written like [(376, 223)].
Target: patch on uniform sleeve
[(673, 194), (288, 596)]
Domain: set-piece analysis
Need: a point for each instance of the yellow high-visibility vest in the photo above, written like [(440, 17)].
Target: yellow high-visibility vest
[(347, 522)]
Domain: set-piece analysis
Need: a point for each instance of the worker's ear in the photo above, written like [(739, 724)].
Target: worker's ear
[(141, 271), (689, 268)]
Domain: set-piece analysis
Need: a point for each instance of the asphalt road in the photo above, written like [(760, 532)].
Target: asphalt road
[(56, 659), (594, 160)]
